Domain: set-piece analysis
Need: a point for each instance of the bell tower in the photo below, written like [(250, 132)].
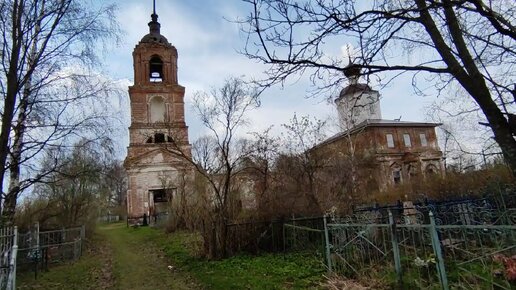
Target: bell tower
[(158, 134)]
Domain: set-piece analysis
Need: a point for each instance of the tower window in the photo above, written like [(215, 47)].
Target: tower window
[(156, 70), (159, 138)]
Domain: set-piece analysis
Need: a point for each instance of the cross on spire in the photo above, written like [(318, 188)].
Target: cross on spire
[(154, 25)]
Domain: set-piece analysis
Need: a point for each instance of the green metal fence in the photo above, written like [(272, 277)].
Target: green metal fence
[(423, 256)]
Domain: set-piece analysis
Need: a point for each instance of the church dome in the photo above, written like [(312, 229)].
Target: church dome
[(155, 38), (353, 72), (154, 35), (354, 88)]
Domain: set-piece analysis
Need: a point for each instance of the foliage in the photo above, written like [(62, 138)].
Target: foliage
[(217, 157), (453, 185), (75, 195), (86, 273), (268, 271)]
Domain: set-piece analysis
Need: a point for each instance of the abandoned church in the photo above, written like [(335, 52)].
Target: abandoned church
[(157, 119), (395, 151)]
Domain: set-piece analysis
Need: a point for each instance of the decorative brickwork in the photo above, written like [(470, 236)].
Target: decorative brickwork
[(157, 128)]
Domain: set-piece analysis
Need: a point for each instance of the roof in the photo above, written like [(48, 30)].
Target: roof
[(354, 88), (155, 38), (376, 123), (154, 35)]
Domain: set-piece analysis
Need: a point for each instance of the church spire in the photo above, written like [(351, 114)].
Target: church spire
[(154, 25)]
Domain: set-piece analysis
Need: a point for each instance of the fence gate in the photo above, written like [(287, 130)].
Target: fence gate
[(8, 252)]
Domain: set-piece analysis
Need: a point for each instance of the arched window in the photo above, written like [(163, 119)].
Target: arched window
[(431, 169), (396, 173), (156, 69), (157, 110), (412, 171)]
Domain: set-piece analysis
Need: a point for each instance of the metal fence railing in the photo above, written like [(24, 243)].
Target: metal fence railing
[(414, 252), (8, 255), (38, 249), (109, 218)]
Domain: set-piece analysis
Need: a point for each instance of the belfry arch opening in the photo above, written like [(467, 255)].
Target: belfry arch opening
[(159, 138), (156, 69)]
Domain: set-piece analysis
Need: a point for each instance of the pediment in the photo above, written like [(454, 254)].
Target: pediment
[(158, 156)]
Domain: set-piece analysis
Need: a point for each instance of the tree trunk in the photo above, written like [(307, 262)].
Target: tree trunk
[(9, 206), (469, 77), (12, 92)]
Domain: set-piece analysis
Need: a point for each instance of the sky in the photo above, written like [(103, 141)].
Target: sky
[(208, 43)]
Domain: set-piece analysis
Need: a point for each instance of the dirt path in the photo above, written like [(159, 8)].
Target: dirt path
[(138, 264)]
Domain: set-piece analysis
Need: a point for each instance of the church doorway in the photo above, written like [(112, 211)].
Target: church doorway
[(159, 204)]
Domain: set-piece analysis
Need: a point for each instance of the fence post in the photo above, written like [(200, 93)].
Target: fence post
[(294, 237), (395, 250), (83, 236), (436, 244), (37, 235), (37, 251), (11, 279), (284, 236), (327, 242)]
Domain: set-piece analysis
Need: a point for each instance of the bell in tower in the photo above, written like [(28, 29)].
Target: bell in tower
[(156, 69), (158, 135)]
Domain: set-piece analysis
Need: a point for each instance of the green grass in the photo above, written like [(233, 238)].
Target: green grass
[(137, 258), (83, 274), (268, 271), (138, 262)]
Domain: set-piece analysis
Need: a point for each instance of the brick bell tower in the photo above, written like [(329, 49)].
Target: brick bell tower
[(158, 127)]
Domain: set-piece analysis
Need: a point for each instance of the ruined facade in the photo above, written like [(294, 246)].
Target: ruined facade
[(158, 134), (384, 152)]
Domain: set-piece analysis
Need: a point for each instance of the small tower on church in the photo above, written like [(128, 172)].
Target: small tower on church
[(157, 130), (357, 102)]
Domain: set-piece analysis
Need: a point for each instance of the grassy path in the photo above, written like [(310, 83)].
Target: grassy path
[(138, 258), (139, 264), (117, 258)]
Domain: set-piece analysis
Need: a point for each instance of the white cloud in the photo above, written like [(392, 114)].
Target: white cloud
[(207, 45)]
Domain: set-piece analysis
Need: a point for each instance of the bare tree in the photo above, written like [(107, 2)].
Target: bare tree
[(40, 40), (218, 156), (471, 43), (74, 192), (263, 150), (461, 134), (301, 135)]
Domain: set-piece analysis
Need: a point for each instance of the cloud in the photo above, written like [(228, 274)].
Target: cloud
[(207, 44)]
